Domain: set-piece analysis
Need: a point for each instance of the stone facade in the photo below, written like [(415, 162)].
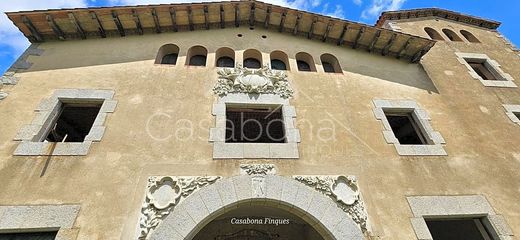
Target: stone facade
[(157, 171)]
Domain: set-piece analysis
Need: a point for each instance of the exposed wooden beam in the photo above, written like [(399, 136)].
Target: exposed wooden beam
[(101, 30), (156, 21), (206, 17), (137, 21), (75, 22), (282, 22), (386, 49), (404, 47), (173, 16), (35, 34), (356, 41), (57, 30), (190, 18), (311, 31), (222, 17), (341, 38), (374, 40), (252, 15), (417, 57), (327, 31), (237, 16), (297, 24), (118, 24), (267, 17)]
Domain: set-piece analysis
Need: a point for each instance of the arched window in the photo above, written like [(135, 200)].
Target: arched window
[(252, 59), (330, 63), (469, 36), (434, 35), (167, 54), (452, 35), (305, 62), (197, 56), (225, 57), (279, 60)]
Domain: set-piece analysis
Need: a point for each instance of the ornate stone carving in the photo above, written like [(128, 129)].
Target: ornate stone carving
[(163, 193), (344, 190), (253, 81), (257, 169)]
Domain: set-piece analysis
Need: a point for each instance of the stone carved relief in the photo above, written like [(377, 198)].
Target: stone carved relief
[(257, 169), (344, 190), (163, 193), (253, 81)]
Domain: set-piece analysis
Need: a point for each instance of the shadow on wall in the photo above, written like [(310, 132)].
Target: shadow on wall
[(409, 74), (97, 52)]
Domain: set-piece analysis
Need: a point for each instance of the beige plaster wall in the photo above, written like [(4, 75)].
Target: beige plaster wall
[(159, 102)]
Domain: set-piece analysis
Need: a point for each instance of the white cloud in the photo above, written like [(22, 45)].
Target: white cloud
[(337, 12), (11, 39), (378, 6), (358, 2)]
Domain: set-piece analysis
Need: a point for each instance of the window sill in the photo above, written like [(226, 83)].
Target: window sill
[(222, 150), (45, 148)]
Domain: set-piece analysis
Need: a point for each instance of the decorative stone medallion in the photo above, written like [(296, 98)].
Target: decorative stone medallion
[(342, 189), (257, 169), (163, 193), (252, 81)]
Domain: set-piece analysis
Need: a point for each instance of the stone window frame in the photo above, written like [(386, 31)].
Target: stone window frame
[(223, 150), (445, 207), (434, 138), (506, 79), (21, 219), (30, 134), (510, 112)]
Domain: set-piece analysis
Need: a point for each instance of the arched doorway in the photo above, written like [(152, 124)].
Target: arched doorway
[(256, 195), (257, 221)]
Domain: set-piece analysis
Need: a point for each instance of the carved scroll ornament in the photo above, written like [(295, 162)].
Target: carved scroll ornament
[(252, 81), (163, 194), (344, 190)]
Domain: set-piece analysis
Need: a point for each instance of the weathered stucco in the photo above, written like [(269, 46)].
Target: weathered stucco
[(147, 135)]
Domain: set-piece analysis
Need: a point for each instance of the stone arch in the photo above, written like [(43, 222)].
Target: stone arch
[(206, 204), (469, 36), (252, 58), (434, 35), (451, 35), (168, 51)]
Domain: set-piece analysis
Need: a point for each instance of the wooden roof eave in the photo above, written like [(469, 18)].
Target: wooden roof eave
[(84, 23)]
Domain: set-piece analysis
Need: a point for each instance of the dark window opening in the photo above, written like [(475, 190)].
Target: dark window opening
[(470, 37), (198, 60), (29, 236), (170, 59), (278, 65), (226, 62), (517, 114), (405, 128), (252, 63), (458, 229), (433, 34), (452, 35), (303, 66), (255, 125), (482, 70), (327, 67), (73, 122)]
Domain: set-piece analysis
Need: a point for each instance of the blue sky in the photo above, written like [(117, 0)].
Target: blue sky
[(13, 43)]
